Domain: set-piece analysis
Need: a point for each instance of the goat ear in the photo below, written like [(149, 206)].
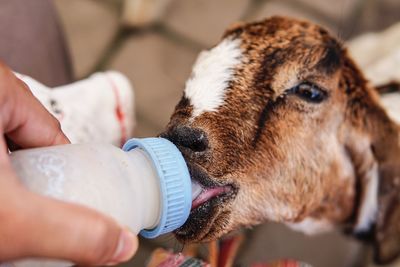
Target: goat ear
[(376, 161), (387, 227), (374, 147), (385, 147)]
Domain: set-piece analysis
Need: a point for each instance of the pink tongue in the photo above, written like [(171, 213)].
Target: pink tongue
[(207, 194)]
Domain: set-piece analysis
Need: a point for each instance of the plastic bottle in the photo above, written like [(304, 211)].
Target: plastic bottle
[(145, 186)]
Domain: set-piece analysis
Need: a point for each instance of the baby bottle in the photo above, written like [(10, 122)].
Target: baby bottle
[(145, 185)]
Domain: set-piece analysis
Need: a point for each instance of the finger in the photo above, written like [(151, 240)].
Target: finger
[(34, 126), (49, 228), (25, 120)]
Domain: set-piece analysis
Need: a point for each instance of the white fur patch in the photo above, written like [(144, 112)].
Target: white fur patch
[(369, 204), (211, 75), (311, 226), (391, 102)]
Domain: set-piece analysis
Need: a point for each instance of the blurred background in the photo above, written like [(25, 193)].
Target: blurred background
[(155, 43)]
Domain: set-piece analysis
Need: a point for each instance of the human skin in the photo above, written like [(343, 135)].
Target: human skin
[(32, 225)]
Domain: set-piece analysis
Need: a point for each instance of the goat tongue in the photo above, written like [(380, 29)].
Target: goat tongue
[(208, 193)]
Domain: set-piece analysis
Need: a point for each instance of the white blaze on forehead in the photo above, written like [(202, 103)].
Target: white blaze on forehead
[(211, 74)]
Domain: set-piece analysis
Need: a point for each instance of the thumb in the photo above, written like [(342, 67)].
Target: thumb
[(54, 229)]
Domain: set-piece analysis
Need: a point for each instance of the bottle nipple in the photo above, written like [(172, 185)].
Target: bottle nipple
[(196, 189)]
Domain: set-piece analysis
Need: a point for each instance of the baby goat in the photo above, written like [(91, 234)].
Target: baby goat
[(277, 123)]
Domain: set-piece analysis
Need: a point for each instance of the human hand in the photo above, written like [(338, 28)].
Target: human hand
[(35, 226)]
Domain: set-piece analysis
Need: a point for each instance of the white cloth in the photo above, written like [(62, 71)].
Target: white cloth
[(97, 109)]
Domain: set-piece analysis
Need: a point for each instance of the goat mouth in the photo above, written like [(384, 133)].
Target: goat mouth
[(205, 188), (210, 199)]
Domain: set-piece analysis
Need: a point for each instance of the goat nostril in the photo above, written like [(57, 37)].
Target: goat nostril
[(197, 144), (191, 138)]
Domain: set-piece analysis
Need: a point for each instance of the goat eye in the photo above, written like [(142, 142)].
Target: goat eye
[(309, 92)]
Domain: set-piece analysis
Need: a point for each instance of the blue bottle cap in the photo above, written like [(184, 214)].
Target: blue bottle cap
[(175, 183)]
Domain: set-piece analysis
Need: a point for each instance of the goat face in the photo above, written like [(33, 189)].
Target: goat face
[(271, 126)]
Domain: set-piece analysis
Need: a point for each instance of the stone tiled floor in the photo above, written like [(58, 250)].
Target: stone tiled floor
[(158, 58)]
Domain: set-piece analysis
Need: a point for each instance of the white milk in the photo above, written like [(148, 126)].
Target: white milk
[(146, 186)]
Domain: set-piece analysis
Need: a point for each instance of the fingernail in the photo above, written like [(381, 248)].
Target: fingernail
[(126, 248)]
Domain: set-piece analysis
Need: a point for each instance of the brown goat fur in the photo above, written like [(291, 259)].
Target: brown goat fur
[(310, 164)]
